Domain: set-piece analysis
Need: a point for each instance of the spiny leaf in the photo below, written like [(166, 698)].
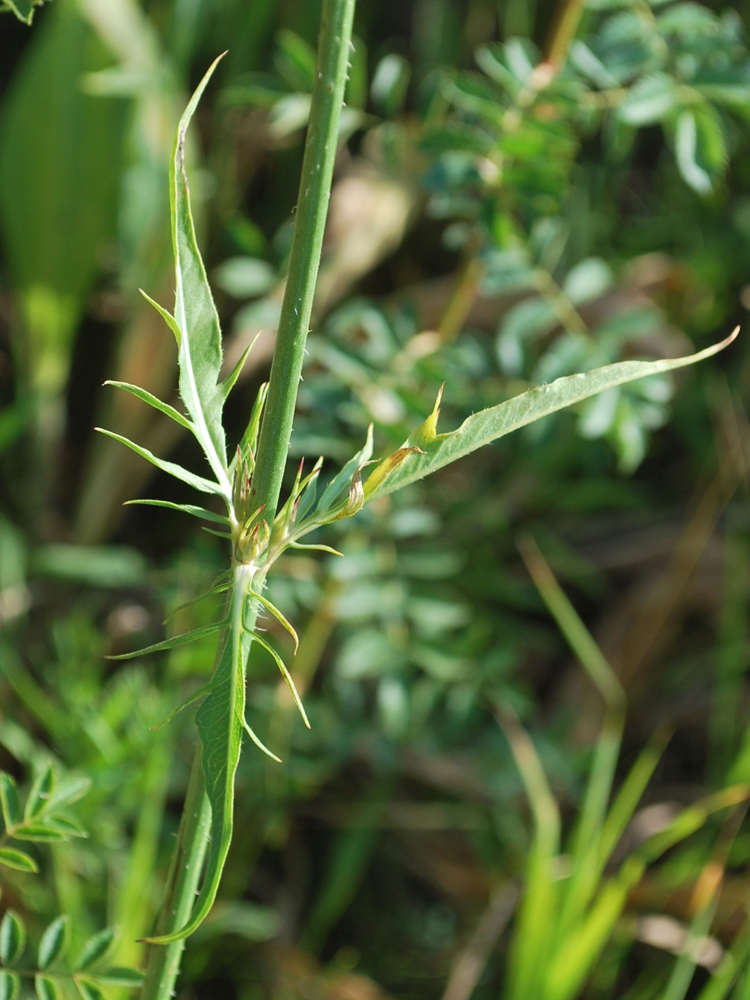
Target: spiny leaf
[(177, 640), (199, 353), (284, 673), (197, 482), (9, 800), (12, 938), (54, 942), (154, 401), (186, 508), (278, 616), (19, 860), (95, 948), (10, 985), (411, 463)]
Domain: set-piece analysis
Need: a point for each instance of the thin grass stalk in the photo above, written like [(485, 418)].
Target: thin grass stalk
[(317, 171)]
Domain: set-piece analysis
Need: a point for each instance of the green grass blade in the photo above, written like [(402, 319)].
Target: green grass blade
[(197, 482), (577, 635), (200, 353), (627, 799), (533, 930), (684, 969), (579, 889), (415, 461), (575, 957), (731, 967), (154, 401)]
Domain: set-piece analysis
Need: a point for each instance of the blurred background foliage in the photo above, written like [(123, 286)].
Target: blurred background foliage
[(524, 190)]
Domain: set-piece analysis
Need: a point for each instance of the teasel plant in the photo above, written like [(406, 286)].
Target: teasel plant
[(247, 480)]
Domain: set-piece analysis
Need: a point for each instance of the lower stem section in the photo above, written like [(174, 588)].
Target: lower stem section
[(163, 964)]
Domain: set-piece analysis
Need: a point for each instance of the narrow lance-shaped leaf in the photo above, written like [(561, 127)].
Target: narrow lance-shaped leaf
[(158, 404), (186, 508), (197, 482), (282, 620), (200, 353), (177, 640), (423, 454)]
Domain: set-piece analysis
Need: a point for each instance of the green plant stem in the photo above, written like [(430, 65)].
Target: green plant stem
[(182, 883), (304, 259), (312, 206)]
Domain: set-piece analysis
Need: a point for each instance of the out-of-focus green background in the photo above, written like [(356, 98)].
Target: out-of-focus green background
[(496, 221)]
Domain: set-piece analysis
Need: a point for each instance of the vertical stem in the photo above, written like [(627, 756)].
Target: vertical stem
[(312, 205), (304, 259), (182, 883)]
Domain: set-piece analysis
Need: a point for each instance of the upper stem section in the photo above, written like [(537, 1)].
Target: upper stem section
[(312, 207)]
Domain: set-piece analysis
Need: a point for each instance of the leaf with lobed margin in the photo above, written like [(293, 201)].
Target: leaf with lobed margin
[(197, 482), (154, 401), (176, 640), (186, 508), (426, 451)]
